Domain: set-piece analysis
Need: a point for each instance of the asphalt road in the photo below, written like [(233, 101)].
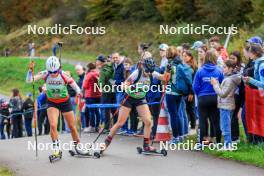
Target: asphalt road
[(121, 159)]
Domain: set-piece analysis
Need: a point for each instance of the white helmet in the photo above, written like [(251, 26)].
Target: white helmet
[(52, 64)]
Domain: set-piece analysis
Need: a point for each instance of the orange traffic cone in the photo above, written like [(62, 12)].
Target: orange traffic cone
[(162, 133)]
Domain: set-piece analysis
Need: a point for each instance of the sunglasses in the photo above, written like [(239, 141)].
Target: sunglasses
[(54, 72)]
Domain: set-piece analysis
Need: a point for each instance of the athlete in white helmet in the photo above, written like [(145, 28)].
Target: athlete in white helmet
[(58, 98)]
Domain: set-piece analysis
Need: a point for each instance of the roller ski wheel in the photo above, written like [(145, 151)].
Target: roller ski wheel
[(97, 155), (82, 154), (55, 157), (163, 152)]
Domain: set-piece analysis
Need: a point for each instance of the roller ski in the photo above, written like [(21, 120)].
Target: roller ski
[(151, 151), (77, 152), (57, 153)]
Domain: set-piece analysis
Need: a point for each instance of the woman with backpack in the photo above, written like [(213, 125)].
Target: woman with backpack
[(179, 84)]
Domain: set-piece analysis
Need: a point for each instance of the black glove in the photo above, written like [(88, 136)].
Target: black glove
[(168, 69)]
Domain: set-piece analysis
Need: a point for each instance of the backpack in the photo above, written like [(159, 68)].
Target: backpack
[(183, 78)]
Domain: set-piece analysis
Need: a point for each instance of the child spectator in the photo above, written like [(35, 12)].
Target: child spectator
[(226, 99)]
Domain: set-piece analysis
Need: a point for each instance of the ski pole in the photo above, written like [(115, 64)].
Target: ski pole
[(34, 107), (123, 102), (102, 131)]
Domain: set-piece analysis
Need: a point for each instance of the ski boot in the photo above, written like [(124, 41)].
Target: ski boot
[(57, 153)]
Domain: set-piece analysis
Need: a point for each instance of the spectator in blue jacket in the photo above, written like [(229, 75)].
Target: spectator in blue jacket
[(119, 77), (42, 111), (256, 54), (207, 98)]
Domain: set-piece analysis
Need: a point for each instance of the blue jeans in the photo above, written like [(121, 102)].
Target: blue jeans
[(183, 115), (28, 126), (173, 104), (225, 123), (93, 112), (2, 127), (83, 120)]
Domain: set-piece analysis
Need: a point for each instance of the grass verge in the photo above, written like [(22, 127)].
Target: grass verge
[(5, 172)]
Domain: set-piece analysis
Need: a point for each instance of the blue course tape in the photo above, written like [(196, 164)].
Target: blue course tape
[(87, 105), (111, 105)]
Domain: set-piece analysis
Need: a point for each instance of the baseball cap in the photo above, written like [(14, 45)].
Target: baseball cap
[(255, 40), (101, 58), (29, 94), (197, 44), (163, 46)]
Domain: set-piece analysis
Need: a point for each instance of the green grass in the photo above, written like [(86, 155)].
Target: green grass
[(245, 153), (72, 55), (13, 72), (5, 172)]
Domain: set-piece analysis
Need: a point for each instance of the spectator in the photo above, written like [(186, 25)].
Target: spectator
[(119, 77), (207, 98), (190, 104), (28, 108), (226, 100), (239, 96), (92, 96), (32, 53), (220, 60), (215, 43), (16, 114), (106, 73), (42, 111), (256, 54), (201, 54), (197, 45), (81, 74), (179, 76), (4, 119), (164, 61)]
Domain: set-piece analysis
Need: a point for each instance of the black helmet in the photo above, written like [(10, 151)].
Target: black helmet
[(149, 64)]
